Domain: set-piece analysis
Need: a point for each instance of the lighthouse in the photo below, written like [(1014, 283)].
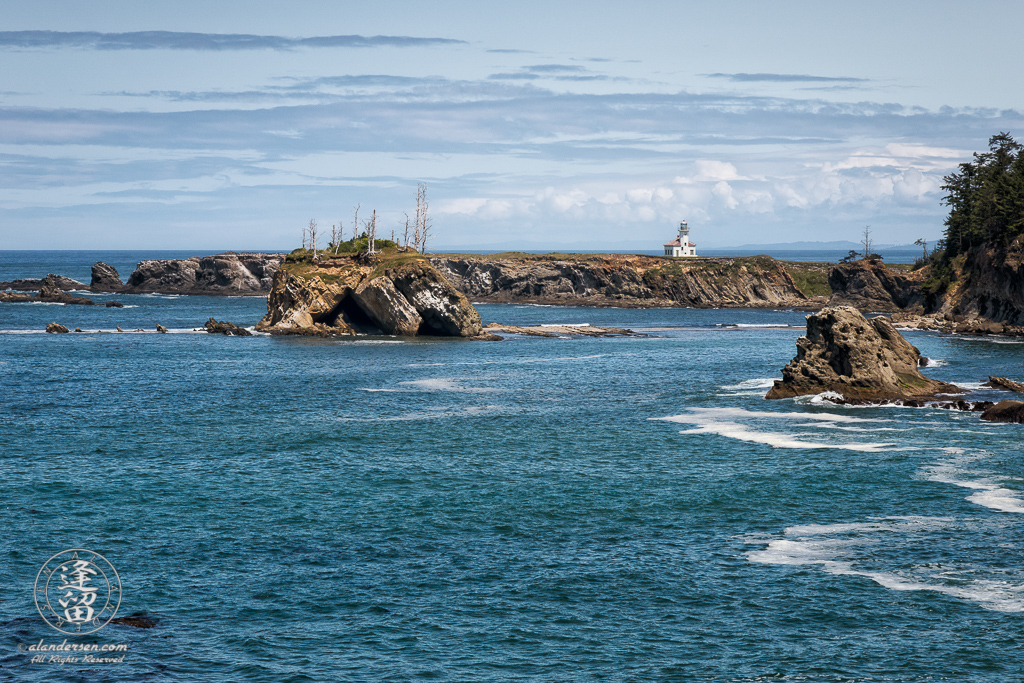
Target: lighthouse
[(681, 246)]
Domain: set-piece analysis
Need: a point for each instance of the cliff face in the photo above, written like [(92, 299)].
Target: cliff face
[(989, 283), (986, 284), (869, 285), (227, 273), (621, 280), (343, 295), (857, 358)]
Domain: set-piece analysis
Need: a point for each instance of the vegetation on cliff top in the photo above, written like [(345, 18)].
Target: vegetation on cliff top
[(986, 198)]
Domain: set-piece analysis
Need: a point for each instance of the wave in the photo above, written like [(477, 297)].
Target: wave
[(848, 550), (723, 422)]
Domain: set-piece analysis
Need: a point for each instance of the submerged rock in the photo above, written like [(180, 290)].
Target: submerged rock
[(859, 359), (114, 304)]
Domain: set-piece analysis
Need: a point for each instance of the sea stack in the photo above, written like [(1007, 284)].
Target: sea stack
[(861, 360)]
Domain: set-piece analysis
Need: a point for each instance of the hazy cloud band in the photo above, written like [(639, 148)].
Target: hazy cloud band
[(172, 40)]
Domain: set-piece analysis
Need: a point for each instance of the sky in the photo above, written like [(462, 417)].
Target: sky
[(586, 125)]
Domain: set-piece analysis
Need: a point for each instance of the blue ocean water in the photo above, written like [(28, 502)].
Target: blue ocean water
[(294, 509)]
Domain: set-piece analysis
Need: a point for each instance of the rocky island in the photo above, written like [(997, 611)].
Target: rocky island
[(391, 292), (856, 359)]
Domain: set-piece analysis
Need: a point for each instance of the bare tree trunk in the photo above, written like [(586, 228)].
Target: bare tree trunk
[(405, 241), (303, 238), (867, 241), (372, 232), (312, 237), (423, 208), (355, 223), (417, 235)]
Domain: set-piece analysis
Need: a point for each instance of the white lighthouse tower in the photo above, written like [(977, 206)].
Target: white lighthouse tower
[(681, 246)]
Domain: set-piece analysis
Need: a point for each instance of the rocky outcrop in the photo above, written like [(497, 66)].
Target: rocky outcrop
[(1004, 383), (105, 278), (381, 302), (987, 283), (349, 295), (56, 328), (34, 284), (229, 273), (623, 280), (859, 359), (1005, 411), (871, 286), (445, 311), (50, 290), (225, 327)]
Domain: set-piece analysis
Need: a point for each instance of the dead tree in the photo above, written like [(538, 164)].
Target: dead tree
[(312, 236), (405, 240), (417, 235), (355, 223), (422, 209), (371, 232), (868, 246), (334, 237)]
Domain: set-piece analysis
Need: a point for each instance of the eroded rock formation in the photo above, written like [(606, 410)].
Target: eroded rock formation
[(346, 295), (229, 273), (105, 278), (859, 359)]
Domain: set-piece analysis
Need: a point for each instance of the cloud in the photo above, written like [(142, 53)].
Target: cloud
[(173, 40), (785, 78)]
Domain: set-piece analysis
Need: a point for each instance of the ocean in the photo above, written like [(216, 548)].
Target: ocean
[(535, 509)]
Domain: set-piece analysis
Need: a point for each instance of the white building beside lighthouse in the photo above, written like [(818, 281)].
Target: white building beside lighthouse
[(681, 246)]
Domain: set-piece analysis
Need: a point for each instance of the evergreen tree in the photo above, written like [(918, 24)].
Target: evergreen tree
[(986, 198)]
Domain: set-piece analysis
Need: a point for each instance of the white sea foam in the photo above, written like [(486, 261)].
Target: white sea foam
[(991, 491), (936, 363), (446, 384), (839, 549), (433, 414), (433, 384), (566, 325), (511, 361), (758, 383), (725, 422)]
